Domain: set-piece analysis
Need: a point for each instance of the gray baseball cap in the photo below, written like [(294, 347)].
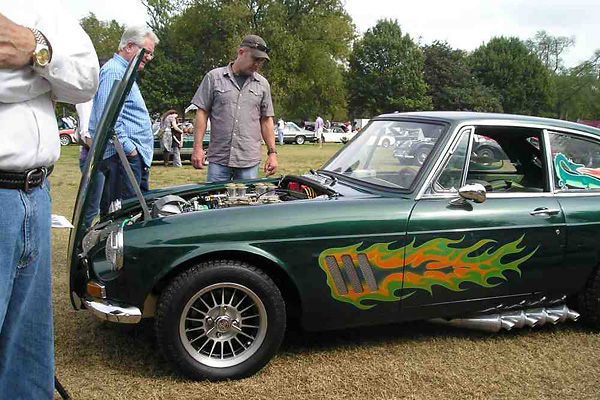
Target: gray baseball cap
[(258, 46)]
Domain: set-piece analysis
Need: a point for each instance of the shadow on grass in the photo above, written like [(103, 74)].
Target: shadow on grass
[(132, 349)]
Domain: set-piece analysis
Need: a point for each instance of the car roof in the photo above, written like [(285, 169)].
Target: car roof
[(456, 117)]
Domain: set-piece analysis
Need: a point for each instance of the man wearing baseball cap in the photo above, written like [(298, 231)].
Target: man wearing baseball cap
[(237, 99)]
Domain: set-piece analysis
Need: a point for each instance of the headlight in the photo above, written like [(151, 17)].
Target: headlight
[(114, 248)]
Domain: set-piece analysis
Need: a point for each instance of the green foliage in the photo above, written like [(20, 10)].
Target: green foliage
[(451, 84), (519, 77), (386, 73), (549, 49), (305, 73), (105, 35)]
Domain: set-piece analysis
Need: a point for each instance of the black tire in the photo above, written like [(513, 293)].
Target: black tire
[(589, 300), (300, 139), (421, 156), (65, 140), (385, 143), (202, 313), (486, 152)]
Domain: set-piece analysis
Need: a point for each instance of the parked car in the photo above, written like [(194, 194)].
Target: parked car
[(66, 132), (335, 134), (224, 268), (186, 150), (294, 134)]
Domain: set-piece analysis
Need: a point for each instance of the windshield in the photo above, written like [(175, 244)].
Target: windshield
[(387, 153)]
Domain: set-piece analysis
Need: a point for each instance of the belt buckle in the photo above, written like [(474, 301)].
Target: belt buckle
[(26, 185)]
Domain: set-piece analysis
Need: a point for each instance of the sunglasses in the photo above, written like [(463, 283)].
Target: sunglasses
[(257, 46)]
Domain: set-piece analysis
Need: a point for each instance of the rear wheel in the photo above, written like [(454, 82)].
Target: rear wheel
[(589, 300), (385, 143), (421, 156), (65, 140), (220, 320), (300, 139)]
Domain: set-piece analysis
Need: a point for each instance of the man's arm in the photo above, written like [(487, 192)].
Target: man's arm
[(72, 74), (17, 44), (199, 131), (266, 130)]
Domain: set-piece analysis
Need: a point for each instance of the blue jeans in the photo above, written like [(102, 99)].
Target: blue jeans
[(117, 185), (26, 335), (95, 194), (280, 135), (223, 173)]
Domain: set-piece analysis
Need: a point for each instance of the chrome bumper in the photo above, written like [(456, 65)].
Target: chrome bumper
[(111, 312)]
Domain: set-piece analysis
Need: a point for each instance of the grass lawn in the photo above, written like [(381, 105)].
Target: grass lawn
[(100, 360)]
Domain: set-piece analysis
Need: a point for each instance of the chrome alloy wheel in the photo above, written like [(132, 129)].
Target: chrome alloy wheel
[(223, 325)]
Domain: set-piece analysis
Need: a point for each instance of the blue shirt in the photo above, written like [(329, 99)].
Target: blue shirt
[(133, 126)]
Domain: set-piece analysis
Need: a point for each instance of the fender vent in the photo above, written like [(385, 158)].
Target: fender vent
[(357, 278)]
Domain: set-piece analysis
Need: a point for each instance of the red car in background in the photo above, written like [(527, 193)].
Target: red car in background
[(66, 131)]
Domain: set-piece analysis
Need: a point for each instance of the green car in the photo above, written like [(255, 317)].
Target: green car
[(367, 239), (186, 150)]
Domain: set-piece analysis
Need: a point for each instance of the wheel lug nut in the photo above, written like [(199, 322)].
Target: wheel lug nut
[(218, 334)]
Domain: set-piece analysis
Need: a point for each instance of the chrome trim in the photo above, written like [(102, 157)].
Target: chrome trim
[(442, 160), (572, 193), (105, 310), (549, 161)]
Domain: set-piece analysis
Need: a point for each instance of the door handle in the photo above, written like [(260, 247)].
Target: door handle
[(544, 212)]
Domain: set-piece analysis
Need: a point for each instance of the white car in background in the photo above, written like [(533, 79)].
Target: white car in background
[(335, 134)]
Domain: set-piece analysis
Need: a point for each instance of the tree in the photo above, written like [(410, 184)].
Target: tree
[(451, 84), (549, 49), (105, 35), (386, 73), (519, 77), (305, 72)]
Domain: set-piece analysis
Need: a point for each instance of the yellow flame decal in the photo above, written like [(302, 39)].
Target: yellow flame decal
[(440, 262)]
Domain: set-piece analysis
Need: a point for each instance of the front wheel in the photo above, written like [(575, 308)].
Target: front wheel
[(300, 140), (589, 300), (65, 140), (220, 320)]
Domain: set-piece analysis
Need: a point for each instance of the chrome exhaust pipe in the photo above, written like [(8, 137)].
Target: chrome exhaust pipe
[(513, 319)]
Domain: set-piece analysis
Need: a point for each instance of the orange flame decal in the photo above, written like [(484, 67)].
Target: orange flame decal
[(440, 262)]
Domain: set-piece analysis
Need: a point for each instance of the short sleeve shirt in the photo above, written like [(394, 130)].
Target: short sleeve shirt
[(235, 113)]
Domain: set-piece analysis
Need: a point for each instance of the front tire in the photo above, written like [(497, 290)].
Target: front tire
[(220, 320), (65, 140), (300, 140)]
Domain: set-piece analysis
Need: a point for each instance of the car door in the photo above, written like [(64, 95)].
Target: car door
[(468, 257), (575, 160)]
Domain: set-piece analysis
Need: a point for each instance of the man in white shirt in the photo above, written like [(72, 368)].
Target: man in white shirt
[(44, 57), (319, 130)]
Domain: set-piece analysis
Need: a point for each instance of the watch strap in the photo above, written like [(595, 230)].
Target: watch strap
[(271, 151)]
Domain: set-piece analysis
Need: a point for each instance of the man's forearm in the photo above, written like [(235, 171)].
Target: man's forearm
[(200, 127), (266, 130), (17, 44)]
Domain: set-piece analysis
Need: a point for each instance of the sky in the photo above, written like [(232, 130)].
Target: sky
[(464, 24)]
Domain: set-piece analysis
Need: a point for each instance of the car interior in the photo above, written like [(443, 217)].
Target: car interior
[(502, 159)]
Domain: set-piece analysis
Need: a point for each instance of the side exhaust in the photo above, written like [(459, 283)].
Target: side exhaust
[(514, 319)]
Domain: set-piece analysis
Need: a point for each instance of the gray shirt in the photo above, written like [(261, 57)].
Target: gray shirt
[(235, 113)]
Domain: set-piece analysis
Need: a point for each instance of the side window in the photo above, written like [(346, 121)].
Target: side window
[(576, 162), (506, 159), (451, 176)]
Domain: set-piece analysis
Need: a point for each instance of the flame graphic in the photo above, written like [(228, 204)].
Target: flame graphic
[(440, 262)]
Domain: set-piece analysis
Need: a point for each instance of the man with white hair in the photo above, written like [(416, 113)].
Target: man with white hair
[(133, 126)]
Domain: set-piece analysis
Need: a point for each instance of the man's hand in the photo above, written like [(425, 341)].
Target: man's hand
[(271, 164), (17, 44), (198, 158)]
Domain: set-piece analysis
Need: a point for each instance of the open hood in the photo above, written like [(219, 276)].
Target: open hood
[(104, 133)]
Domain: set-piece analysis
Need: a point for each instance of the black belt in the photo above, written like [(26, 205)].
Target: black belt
[(25, 180)]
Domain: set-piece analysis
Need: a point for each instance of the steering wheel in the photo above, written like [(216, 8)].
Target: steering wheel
[(504, 185)]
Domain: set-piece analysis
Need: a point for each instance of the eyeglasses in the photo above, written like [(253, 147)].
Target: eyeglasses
[(147, 52), (257, 46)]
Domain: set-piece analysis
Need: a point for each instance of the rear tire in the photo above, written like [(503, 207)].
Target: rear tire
[(300, 140), (589, 300), (220, 320)]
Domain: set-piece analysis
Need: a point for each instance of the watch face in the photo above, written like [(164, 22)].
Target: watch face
[(42, 57)]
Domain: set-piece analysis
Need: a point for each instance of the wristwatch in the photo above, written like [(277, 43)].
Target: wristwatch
[(43, 52), (271, 151)]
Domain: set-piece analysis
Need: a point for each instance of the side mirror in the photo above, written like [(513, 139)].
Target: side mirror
[(471, 192)]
